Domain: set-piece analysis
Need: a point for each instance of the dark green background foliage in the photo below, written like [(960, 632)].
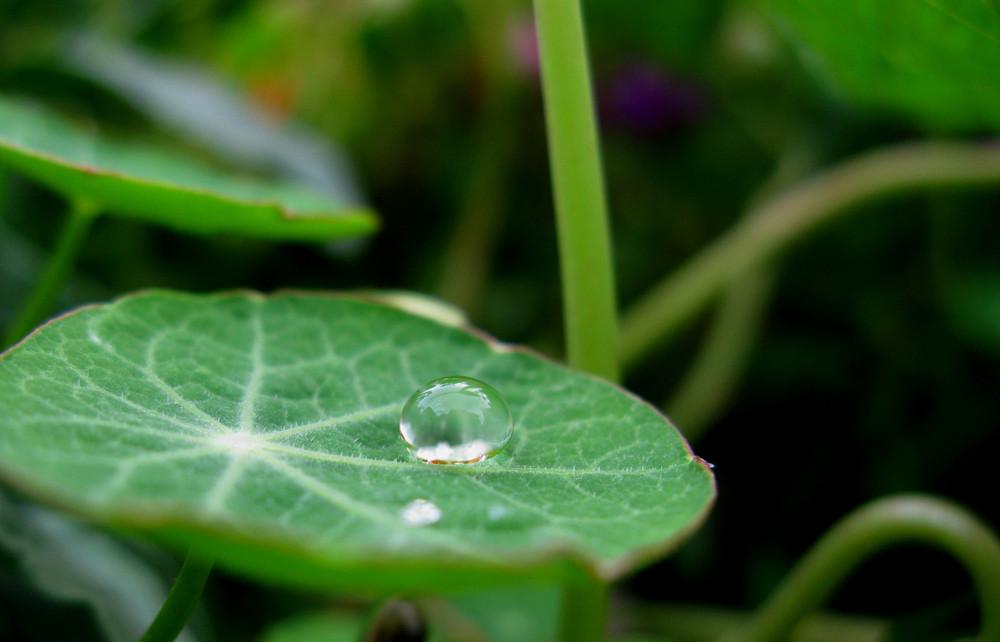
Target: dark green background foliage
[(878, 363)]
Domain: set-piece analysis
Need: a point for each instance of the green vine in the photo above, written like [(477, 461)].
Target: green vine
[(181, 602), (782, 220), (43, 297), (868, 530)]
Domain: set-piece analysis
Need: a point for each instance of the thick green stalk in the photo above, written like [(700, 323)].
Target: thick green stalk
[(180, 603), (578, 186), (43, 297), (589, 306), (784, 219), (868, 530)]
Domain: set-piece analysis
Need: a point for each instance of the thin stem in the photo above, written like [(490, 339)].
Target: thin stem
[(181, 602), (43, 297), (701, 623), (4, 189), (710, 382), (868, 530), (469, 254), (584, 610), (578, 185), (782, 220), (703, 393)]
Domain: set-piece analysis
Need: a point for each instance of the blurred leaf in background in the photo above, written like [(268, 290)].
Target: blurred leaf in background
[(70, 562), (933, 59)]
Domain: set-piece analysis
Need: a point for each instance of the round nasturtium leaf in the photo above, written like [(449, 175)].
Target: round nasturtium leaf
[(165, 188), (266, 429)]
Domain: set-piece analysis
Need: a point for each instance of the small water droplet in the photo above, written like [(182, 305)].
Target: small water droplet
[(496, 512), (420, 512), (456, 420)]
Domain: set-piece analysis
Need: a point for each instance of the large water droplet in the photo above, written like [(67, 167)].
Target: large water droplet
[(455, 420)]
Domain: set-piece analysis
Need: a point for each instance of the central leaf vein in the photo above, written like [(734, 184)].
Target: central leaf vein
[(247, 406)]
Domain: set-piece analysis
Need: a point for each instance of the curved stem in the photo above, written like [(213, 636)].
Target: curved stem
[(702, 623), (706, 388), (578, 184), (782, 220), (710, 382), (43, 297), (180, 603), (868, 530)]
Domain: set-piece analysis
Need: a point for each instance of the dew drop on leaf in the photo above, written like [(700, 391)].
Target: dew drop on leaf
[(420, 512), (455, 420)]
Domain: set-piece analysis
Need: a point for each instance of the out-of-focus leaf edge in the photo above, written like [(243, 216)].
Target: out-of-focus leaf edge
[(263, 218)]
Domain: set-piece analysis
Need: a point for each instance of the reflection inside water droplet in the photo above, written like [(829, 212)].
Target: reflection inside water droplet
[(455, 420), (420, 512)]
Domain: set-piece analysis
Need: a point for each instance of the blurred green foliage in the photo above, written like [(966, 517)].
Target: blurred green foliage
[(877, 368)]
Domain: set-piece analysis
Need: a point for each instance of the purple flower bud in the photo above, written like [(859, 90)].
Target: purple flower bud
[(645, 100)]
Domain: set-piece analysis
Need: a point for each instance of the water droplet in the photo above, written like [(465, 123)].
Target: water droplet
[(496, 512), (455, 420), (420, 512)]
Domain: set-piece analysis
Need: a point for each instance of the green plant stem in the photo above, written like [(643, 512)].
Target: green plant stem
[(700, 623), (706, 388), (4, 189), (43, 297), (578, 184), (782, 220), (868, 530), (584, 610), (589, 307), (469, 254), (710, 382), (182, 600)]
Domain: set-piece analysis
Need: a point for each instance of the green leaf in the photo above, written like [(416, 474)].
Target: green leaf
[(189, 101), (165, 188), (317, 627), (934, 59), (267, 429), (513, 614)]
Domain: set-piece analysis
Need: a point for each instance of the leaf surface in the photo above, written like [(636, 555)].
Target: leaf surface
[(267, 428), (316, 627), (934, 59), (165, 188)]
